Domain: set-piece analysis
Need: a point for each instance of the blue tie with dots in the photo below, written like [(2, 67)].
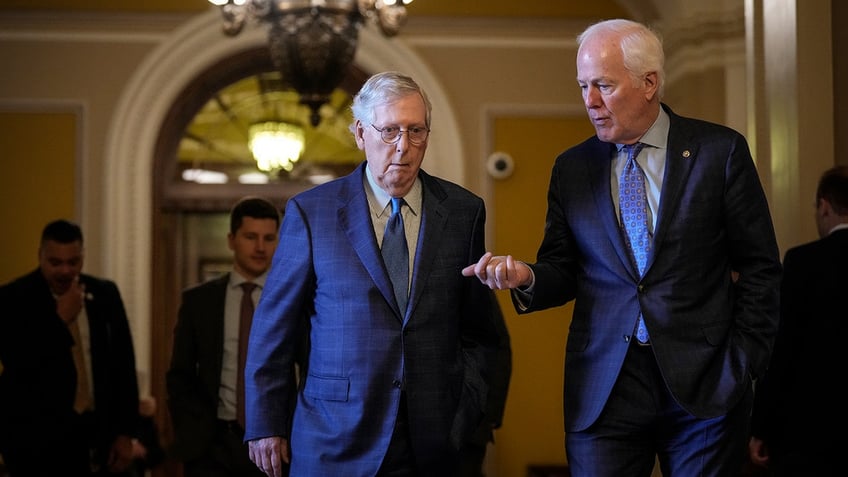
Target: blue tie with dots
[(396, 254), (633, 203)]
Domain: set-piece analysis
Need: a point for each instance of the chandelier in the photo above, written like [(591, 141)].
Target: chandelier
[(312, 42), (275, 145)]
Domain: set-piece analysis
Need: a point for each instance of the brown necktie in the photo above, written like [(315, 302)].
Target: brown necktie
[(82, 400), (245, 319)]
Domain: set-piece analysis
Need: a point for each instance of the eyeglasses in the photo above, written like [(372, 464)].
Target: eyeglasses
[(391, 134)]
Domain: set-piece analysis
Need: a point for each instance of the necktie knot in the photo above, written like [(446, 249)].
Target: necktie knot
[(633, 150), (397, 203), (248, 287)]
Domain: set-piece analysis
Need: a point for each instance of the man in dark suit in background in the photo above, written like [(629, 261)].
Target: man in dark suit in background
[(663, 346), (799, 406), (396, 376), (203, 375), (68, 390), (472, 456)]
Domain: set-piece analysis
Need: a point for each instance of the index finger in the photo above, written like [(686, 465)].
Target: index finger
[(477, 268)]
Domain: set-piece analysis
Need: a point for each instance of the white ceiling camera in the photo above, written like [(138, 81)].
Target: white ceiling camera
[(500, 165)]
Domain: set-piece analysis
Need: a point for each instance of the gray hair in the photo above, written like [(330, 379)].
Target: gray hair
[(641, 47), (384, 88)]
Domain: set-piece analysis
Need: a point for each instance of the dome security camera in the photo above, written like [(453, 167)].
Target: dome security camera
[(500, 165)]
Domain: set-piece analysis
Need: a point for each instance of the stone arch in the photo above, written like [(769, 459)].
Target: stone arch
[(127, 217)]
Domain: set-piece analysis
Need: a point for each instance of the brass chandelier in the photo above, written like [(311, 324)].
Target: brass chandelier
[(312, 42)]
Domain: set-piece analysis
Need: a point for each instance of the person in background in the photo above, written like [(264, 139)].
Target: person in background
[(797, 406), (68, 391), (473, 454), (398, 347), (203, 376), (645, 222)]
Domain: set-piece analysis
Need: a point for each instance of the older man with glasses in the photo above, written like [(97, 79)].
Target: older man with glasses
[(368, 274)]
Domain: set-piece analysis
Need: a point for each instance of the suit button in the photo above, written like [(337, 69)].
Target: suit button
[(641, 288), (396, 383)]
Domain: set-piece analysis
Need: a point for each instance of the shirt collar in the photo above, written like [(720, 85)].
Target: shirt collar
[(838, 227), (236, 279), (656, 135), (381, 200)]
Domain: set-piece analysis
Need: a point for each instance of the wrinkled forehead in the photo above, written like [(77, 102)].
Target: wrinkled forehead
[(410, 108)]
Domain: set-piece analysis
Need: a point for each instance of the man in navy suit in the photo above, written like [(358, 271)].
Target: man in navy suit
[(63, 412), (388, 389), (799, 404), (682, 393), (203, 375)]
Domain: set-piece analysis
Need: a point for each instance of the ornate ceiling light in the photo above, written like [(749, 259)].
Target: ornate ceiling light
[(275, 145), (312, 42)]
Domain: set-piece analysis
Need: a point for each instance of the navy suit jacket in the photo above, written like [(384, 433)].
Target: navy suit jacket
[(800, 397), (38, 382), (194, 376), (328, 280), (710, 336)]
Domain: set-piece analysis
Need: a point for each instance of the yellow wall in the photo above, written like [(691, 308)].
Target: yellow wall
[(38, 181), (532, 431)]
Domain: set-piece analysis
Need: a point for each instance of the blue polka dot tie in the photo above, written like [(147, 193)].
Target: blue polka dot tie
[(633, 203), (396, 254)]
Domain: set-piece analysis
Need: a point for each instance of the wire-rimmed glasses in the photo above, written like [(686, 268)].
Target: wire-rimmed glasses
[(391, 134)]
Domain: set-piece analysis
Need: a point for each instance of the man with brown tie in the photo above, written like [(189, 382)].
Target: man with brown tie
[(68, 390), (205, 378)]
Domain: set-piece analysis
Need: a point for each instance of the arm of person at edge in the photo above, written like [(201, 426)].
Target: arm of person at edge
[(501, 272), (120, 454), (758, 452), (269, 453)]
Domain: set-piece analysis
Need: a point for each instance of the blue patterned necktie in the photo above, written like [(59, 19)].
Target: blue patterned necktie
[(633, 203), (396, 254)]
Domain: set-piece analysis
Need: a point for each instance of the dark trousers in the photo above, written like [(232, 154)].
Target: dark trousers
[(471, 458), (642, 422), (399, 460), (64, 450), (227, 456)]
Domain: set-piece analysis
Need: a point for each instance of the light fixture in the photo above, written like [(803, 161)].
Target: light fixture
[(312, 42), (253, 178), (275, 144), (203, 176)]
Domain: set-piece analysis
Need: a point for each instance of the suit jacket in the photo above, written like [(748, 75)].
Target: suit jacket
[(38, 382), (328, 280), (194, 376), (500, 372), (709, 335), (797, 401)]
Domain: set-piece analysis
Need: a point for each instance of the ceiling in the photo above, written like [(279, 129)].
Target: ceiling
[(497, 8), (216, 138)]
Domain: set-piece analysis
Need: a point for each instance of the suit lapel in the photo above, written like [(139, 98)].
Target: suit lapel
[(680, 158), (434, 218), (215, 307), (355, 220), (599, 164)]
